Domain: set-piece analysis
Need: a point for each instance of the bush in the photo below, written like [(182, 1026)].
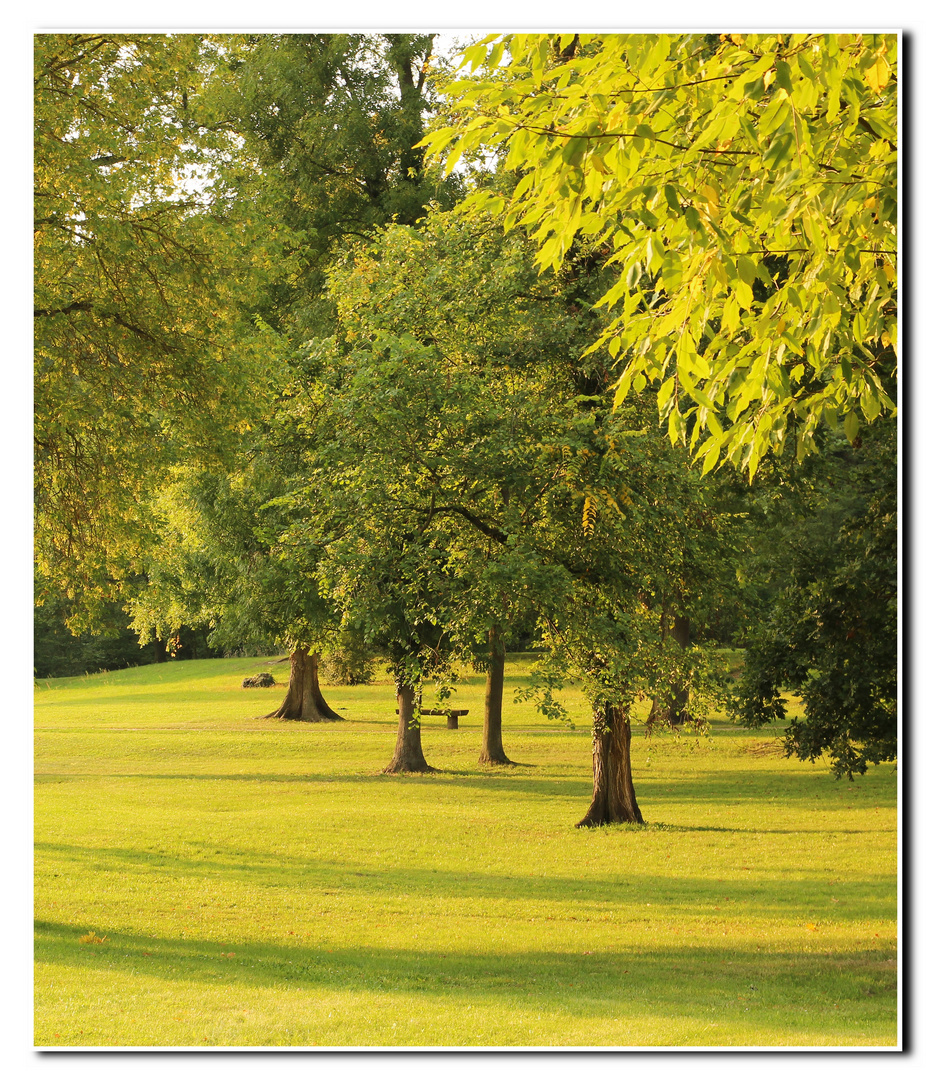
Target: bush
[(347, 665)]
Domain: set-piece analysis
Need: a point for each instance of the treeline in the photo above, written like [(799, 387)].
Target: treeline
[(297, 383)]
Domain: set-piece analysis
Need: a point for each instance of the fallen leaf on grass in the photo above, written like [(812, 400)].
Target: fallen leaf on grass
[(92, 939)]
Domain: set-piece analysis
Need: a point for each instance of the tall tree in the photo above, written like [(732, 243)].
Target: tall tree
[(745, 186), (143, 344), (335, 121)]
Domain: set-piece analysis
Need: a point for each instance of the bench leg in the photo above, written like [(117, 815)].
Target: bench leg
[(452, 721)]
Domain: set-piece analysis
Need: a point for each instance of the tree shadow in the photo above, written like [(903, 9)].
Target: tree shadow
[(675, 894), (791, 993)]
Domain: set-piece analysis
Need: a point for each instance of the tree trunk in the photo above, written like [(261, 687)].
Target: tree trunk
[(614, 798), (408, 753), (677, 713), (492, 746), (304, 701), (681, 635)]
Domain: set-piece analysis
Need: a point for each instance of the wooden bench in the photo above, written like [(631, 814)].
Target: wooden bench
[(452, 715)]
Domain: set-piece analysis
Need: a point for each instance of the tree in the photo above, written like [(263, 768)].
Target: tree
[(218, 565), (607, 631), (744, 185), (143, 341), (334, 121), (450, 338), (326, 128), (828, 628), (470, 470)]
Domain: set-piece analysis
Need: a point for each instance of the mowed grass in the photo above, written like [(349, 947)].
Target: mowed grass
[(252, 882)]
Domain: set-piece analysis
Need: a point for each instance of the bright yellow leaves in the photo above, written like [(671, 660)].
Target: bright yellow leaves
[(878, 75), (765, 174)]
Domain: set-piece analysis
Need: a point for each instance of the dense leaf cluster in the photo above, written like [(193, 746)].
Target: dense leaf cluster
[(745, 186), (829, 630), (143, 345)]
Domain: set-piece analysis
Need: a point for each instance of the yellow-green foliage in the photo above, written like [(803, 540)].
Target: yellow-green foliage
[(745, 186), (206, 878)]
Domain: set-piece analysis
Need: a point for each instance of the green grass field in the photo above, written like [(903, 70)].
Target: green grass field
[(205, 878)]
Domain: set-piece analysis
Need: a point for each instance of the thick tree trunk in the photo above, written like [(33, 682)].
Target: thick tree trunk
[(304, 701), (492, 747), (614, 799), (408, 753), (677, 713)]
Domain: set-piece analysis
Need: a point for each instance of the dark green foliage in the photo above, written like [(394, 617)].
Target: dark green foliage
[(57, 653), (348, 663), (334, 121), (829, 633)]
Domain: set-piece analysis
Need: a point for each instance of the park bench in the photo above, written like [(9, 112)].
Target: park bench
[(452, 715)]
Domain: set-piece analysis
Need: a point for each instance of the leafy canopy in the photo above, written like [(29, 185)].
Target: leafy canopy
[(144, 347), (745, 188), (829, 634)]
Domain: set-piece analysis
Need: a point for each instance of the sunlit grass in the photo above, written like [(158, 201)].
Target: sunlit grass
[(262, 883)]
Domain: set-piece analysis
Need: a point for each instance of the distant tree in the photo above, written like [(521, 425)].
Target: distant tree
[(218, 565), (745, 186)]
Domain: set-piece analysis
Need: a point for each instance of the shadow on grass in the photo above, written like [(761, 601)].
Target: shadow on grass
[(753, 896), (501, 777), (729, 787), (811, 993)]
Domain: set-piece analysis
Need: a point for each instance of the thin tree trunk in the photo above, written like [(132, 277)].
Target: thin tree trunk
[(681, 635), (492, 746), (677, 713), (614, 799), (408, 753), (304, 701)]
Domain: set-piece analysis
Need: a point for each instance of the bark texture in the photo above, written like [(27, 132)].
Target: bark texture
[(614, 799), (492, 752), (408, 752), (304, 701)]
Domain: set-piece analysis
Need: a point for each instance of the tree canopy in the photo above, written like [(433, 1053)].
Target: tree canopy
[(143, 341), (826, 539), (746, 188)]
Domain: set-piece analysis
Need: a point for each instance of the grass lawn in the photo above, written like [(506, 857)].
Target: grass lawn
[(205, 878)]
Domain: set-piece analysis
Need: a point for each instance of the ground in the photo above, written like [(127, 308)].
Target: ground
[(262, 883)]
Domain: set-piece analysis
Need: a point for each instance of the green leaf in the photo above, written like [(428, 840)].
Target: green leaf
[(672, 198), (784, 76), (746, 268)]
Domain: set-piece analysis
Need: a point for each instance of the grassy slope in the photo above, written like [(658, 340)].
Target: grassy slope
[(261, 883)]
